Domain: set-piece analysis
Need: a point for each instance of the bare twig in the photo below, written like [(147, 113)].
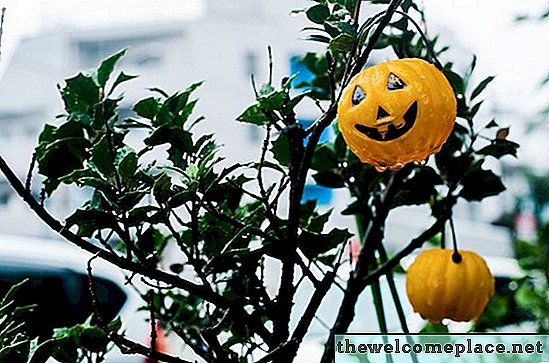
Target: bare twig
[(270, 51), (28, 181), (152, 317), (128, 346), (2, 29), (93, 292)]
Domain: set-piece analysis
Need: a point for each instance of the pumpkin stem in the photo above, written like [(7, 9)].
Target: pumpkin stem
[(456, 257), (443, 236)]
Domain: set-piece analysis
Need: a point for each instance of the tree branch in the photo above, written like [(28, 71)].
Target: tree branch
[(126, 264), (128, 346)]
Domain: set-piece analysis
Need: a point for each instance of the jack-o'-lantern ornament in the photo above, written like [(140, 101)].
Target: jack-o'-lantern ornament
[(439, 286), (397, 112)]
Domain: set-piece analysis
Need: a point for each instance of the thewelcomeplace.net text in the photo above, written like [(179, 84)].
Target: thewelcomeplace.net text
[(457, 349)]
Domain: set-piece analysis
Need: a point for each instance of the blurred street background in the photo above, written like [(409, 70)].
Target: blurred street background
[(173, 43)]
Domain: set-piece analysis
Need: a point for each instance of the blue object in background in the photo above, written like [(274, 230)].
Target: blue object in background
[(322, 195), (302, 74), (327, 134)]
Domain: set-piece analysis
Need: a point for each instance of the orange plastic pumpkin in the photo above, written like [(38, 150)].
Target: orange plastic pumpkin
[(439, 288), (397, 112)]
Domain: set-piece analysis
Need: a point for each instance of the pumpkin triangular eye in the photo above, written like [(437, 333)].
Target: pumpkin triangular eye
[(358, 95), (394, 83)]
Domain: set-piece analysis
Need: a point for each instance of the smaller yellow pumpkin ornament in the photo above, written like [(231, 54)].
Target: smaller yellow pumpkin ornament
[(397, 112), (440, 288)]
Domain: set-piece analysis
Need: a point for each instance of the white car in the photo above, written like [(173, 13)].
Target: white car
[(59, 285)]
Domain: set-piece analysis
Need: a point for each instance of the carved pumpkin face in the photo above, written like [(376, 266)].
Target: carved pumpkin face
[(397, 112), (439, 288)]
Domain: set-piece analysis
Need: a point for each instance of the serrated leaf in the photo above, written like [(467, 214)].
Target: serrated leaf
[(281, 150), (80, 93)]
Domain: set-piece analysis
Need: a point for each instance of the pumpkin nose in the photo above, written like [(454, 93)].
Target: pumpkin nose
[(381, 113)]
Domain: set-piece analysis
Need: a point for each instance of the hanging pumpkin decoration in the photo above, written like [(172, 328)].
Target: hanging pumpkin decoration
[(397, 112), (440, 288)]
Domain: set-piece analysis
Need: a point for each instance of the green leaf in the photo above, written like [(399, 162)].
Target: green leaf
[(147, 108), (324, 158), (482, 85), (281, 150), (318, 38), (94, 339), (499, 148), (254, 115), (479, 184), (318, 13), (475, 108), (67, 144), (107, 66), (102, 157), (314, 244), (491, 124), (273, 100), (122, 77), (128, 165), (340, 146), (90, 220), (317, 221), (342, 43), (183, 116), (418, 189), (161, 188), (115, 325), (329, 179), (44, 351), (455, 81), (80, 94)]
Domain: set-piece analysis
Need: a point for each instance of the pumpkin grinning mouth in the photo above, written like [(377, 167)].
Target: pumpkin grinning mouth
[(390, 131)]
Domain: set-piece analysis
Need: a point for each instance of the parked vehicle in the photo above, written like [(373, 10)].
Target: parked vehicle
[(59, 287)]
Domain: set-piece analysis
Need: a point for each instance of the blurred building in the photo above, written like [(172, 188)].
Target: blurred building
[(171, 45)]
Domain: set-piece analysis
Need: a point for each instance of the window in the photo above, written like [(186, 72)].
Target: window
[(147, 49)]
